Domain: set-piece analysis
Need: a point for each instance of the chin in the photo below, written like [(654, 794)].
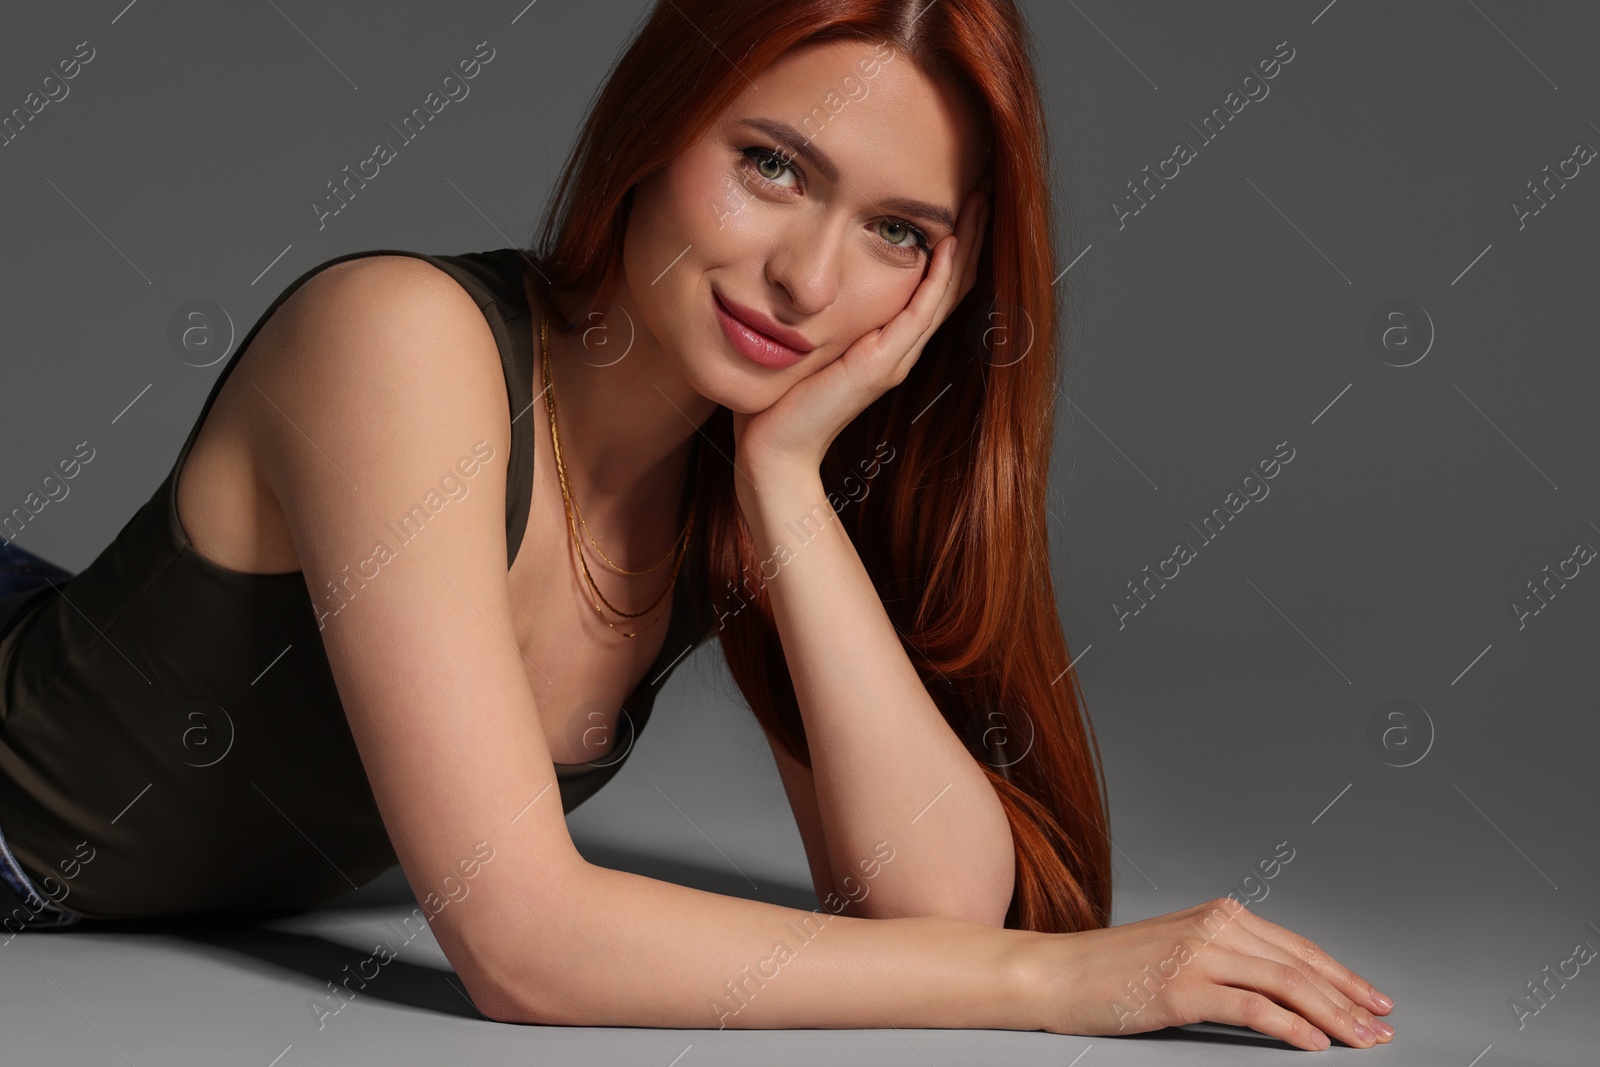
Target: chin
[(724, 377), (723, 383)]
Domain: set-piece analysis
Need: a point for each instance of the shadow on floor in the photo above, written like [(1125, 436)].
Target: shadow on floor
[(388, 975)]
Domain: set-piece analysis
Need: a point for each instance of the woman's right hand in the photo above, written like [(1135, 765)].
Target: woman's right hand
[(1217, 962)]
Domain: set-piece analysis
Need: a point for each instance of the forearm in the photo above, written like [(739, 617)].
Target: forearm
[(625, 950), (886, 764)]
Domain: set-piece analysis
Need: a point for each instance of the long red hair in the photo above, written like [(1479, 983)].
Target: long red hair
[(955, 536)]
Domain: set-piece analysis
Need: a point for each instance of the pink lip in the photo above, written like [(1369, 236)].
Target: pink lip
[(757, 337)]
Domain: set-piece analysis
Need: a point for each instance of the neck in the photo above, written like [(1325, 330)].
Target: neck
[(627, 420)]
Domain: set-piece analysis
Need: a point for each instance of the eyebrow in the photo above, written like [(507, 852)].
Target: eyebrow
[(796, 145)]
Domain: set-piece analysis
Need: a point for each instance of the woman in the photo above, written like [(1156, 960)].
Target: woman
[(771, 296)]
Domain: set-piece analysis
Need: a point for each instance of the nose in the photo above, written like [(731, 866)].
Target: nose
[(805, 262)]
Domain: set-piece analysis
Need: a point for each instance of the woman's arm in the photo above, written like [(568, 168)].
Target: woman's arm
[(375, 379), (601, 947), (885, 765)]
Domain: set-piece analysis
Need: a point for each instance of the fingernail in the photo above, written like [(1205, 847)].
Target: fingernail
[(1363, 1033), (1383, 1028), (1381, 1001)]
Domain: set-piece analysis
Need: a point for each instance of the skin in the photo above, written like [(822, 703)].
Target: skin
[(819, 256), (539, 940)]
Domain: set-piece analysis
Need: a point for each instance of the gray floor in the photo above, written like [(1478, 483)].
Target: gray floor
[(242, 994), (1245, 304)]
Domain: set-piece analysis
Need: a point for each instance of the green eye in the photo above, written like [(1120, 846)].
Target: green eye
[(919, 240), (769, 163), (905, 231)]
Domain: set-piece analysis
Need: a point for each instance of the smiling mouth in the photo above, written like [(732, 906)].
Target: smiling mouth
[(756, 346)]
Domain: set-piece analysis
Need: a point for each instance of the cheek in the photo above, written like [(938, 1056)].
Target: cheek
[(658, 270), (728, 205), (735, 226), (654, 225), (685, 220), (875, 298), (703, 202)]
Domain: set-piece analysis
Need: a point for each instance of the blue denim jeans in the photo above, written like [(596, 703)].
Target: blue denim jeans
[(22, 906)]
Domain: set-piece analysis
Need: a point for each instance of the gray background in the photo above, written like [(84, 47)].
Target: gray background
[(1228, 315)]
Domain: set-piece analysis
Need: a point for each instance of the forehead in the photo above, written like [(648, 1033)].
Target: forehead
[(886, 125)]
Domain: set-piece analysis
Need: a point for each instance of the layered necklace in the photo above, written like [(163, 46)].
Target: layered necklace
[(680, 546)]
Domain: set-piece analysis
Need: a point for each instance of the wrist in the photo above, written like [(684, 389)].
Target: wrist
[(1026, 981), (777, 490)]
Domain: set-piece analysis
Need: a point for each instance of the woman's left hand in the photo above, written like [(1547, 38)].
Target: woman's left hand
[(795, 431)]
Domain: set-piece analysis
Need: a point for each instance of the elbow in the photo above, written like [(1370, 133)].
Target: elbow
[(499, 987), (513, 973), (502, 1002), (506, 991), (494, 1000)]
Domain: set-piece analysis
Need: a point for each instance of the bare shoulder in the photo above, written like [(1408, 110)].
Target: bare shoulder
[(371, 312), (365, 342), (379, 322)]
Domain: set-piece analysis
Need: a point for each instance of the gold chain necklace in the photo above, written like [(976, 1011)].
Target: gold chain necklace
[(680, 544)]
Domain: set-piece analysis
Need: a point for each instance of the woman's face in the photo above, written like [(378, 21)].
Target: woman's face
[(825, 228)]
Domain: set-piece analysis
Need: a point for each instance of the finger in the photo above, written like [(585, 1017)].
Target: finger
[(1288, 985), (1311, 954), (945, 286), (906, 329), (1250, 943), (935, 316), (938, 292), (949, 287), (968, 228), (964, 262), (1241, 1007)]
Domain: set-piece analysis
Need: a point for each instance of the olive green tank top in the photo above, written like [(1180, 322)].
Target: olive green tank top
[(181, 718)]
